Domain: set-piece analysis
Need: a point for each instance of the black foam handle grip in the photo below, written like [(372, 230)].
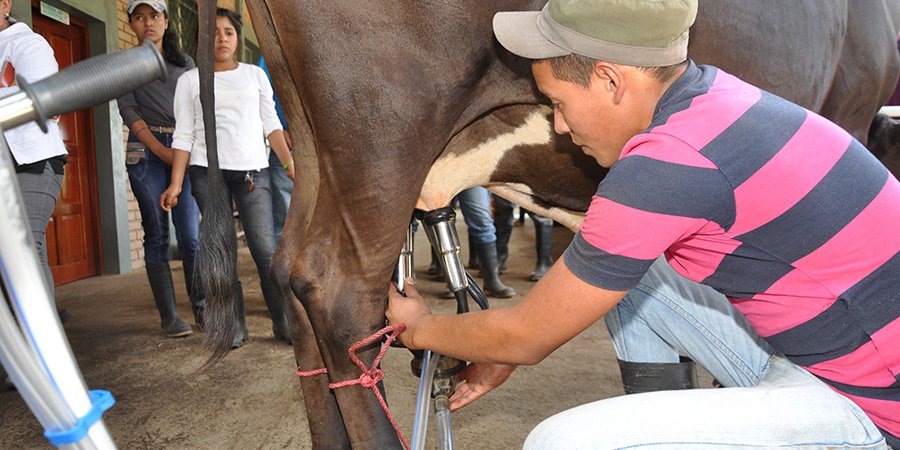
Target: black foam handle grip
[(95, 80)]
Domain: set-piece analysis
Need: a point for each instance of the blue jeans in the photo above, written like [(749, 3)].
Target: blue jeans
[(149, 179), (475, 204), (255, 209), (768, 402), (281, 193)]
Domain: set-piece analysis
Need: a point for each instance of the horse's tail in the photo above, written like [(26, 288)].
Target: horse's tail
[(217, 260)]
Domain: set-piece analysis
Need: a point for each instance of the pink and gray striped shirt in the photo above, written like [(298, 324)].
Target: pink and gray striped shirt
[(777, 208)]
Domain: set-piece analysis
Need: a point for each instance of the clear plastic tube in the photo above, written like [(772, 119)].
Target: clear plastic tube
[(443, 423), (423, 402)]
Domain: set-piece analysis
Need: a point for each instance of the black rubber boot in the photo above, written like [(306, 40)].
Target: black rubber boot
[(160, 276), (473, 260), (436, 269), (503, 220), (487, 257), (651, 377), (543, 245), (240, 322), (195, 293), (276, 312)]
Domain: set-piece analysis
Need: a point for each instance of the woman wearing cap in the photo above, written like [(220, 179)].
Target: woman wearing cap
[(148, 112), (40, 157), (245, 112)]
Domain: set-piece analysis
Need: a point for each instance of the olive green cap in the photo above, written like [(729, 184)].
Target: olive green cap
[(647, 33)]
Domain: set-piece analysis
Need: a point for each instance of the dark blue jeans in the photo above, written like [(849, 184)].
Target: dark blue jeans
[(149, 178), (255, 210)]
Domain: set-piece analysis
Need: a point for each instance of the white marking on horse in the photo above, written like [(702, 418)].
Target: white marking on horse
[(458, 169)]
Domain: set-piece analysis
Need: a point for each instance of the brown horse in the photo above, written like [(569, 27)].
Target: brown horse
[(397, 104)]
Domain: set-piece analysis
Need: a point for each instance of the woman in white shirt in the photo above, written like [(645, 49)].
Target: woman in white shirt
[(40, 157), (245, 115)]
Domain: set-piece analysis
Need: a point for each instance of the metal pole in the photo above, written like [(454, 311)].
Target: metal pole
[(44, 369)]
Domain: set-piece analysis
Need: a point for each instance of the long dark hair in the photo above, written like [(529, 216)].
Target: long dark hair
[(171, 49)]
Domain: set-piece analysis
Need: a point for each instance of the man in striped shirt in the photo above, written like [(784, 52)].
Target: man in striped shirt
[(775, 210)]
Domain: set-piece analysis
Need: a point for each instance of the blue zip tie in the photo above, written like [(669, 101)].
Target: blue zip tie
[(101, 400)]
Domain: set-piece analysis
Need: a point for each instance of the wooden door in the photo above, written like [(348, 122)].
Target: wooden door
[(73, 243)]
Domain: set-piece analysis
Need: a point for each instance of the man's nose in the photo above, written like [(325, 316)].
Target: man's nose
[(559, 123)]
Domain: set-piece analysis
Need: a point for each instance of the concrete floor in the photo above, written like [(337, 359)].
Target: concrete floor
[(252, 399)]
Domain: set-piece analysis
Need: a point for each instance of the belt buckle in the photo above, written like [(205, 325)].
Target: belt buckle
[(165, 130)]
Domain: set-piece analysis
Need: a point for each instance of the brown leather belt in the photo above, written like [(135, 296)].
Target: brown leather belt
[(166, 130)]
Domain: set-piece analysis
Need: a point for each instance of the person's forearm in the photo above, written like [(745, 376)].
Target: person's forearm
[(179, 166), (479, 336), (280, 147), (558, 308)]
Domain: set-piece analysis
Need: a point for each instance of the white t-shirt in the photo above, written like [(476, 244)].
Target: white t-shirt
[(245, 115), (30, 56)]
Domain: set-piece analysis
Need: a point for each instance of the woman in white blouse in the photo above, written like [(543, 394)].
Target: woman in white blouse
[(245, 115), (40, 157)]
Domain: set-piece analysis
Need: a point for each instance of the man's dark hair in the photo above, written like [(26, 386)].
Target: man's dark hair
[(232, 17), (577, 69), (171, 50)]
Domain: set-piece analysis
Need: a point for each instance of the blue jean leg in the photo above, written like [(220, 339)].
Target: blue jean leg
[(475, 204), (255, 210), (668, 314), (149, 178), (281, 193)]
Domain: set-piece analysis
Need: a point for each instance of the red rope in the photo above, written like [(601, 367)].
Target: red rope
[(370, 377)]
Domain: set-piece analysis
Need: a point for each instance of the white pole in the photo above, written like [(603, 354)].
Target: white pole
[(30, 296)]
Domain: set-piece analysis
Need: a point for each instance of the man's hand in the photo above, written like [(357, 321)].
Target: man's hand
[(410, 310), (478, 379)]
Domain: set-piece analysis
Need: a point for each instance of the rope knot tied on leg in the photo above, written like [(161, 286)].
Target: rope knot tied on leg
[(370, 377)]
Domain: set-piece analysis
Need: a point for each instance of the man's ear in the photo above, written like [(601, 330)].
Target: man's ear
[(610, 78)]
